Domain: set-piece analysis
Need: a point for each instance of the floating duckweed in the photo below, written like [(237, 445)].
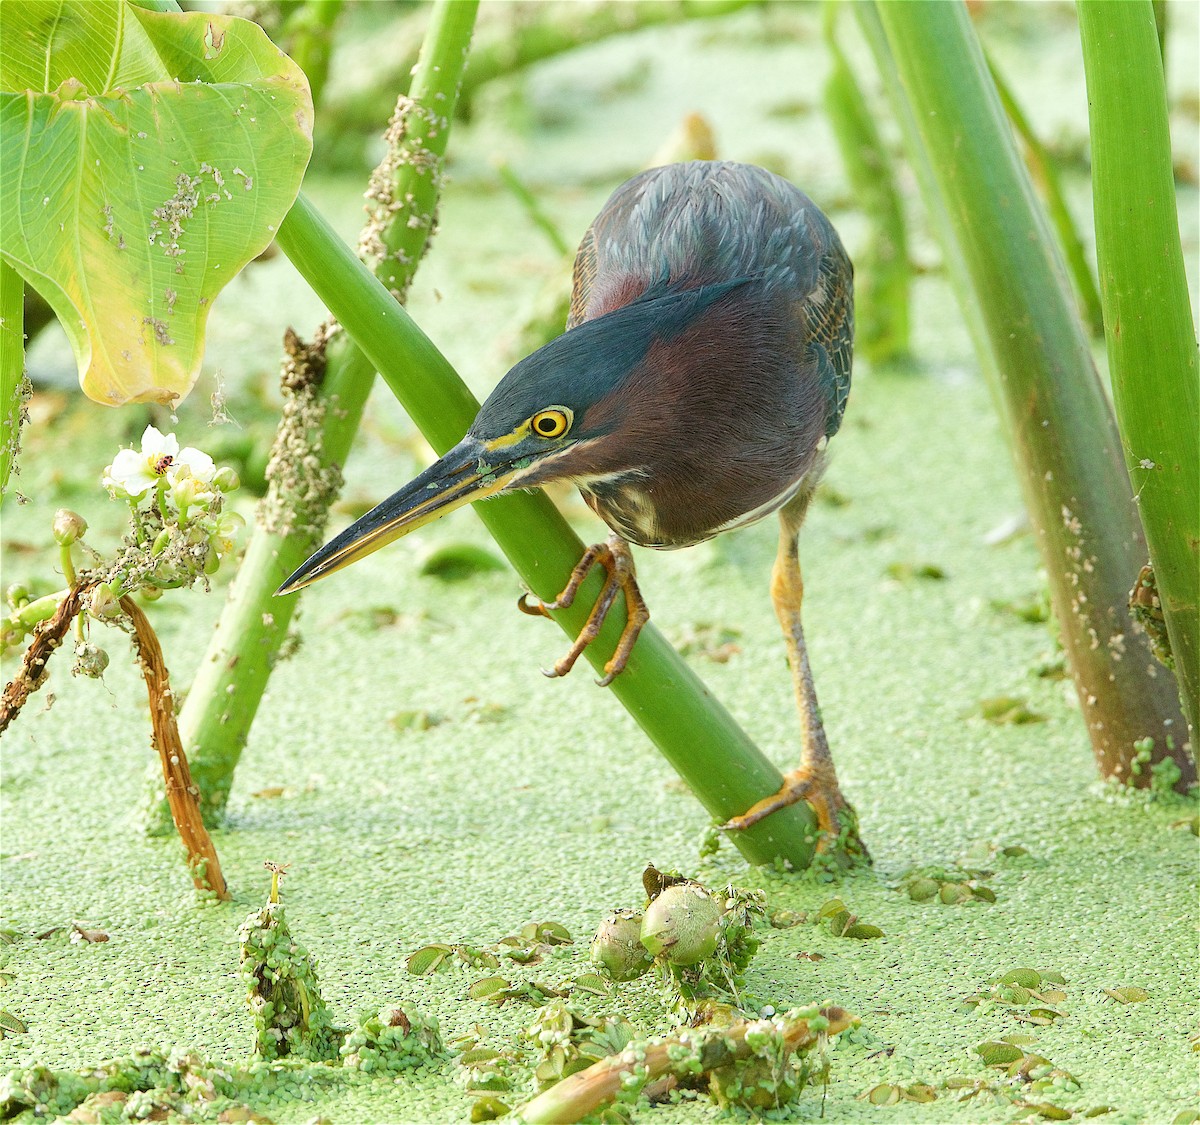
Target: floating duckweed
[(392, 1040), (283, 992)]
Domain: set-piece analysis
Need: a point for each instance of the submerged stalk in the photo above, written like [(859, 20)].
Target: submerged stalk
[(1152, 355), (327, 388), (725, 770), (1064, 439)]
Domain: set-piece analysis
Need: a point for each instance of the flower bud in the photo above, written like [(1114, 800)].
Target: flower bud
[(226, 480), (212, 561), (17, 595), (103, 602), (90, 660), (160, 542), (151, 593), (681, 924), (68, 526), (617, 947)]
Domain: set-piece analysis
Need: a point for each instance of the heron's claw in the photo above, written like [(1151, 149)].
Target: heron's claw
[(817, 784), (617, 561)]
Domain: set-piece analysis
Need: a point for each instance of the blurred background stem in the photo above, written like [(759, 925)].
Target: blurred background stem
[(1064, 438), (13, 387), (1152, 355), (326, 389), (882, 272)]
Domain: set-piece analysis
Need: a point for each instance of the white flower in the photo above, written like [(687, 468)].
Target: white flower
[(225, 527), (134, 473)]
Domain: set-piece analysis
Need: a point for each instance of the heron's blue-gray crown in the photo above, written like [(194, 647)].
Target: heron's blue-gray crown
[(586, 365)]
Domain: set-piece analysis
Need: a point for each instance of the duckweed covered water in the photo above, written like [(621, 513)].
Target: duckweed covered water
[(530, 799)]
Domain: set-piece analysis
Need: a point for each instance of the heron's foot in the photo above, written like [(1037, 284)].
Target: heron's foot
[(837, 822), (617, 560)]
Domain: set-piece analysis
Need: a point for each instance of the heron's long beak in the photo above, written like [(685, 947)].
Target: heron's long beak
[(463, 475)]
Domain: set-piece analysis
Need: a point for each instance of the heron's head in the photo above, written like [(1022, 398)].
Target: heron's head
[(572, 410)]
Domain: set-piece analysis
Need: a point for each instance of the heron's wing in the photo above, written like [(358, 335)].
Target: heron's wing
[(709, 222)]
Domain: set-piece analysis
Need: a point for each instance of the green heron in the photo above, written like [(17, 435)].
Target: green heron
[(705, 366)]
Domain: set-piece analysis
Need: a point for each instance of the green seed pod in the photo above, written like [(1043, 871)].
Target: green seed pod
[(226, 479), (160, 542), (17, 595), (212, 561), (617, 946), (681, 924), (151, 593), (68, 526)]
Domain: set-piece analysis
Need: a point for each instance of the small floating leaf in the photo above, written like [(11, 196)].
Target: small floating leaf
[(592, 982), (1184, 1117), (883, 1094), (457, 561), (862, 931), (1127, 995), (907, 572), (1101, 1110), (486, 987), (427, 960), (10, 1025), (922, 890), (1048, 1111), (488, 1108), (1026, 978), (1007, 709), (998, 1053), (414, 719), (920, 1092)]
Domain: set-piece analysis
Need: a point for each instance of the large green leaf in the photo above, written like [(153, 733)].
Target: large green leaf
[(148, 156)]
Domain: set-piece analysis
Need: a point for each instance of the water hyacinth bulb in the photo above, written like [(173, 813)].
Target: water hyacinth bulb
[(617, 947), (681, 925)]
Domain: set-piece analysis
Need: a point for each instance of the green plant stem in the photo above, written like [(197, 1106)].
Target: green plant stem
[(13, 387), (725, 770), (1044, 170), (534, 211), (1063, 435), (224, 699), (1152, 355), (308, 38), (511, 38), (883, 274)]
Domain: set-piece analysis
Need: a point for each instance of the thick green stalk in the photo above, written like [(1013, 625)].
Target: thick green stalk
[(12, 369), (322, 418), (882, 272), (725, 770), (1064, 438), (1152, 355), (1045, 172)]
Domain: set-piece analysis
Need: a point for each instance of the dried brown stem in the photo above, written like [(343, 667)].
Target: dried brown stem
[(46, 638), (181, 792), (586, 1091)]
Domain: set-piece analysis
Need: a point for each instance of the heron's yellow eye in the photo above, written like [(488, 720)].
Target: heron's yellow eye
[(551, 423)]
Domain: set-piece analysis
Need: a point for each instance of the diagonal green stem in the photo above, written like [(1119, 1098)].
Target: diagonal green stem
[(220, 708), (1152, 353), (727, 772), (1065, 441)]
